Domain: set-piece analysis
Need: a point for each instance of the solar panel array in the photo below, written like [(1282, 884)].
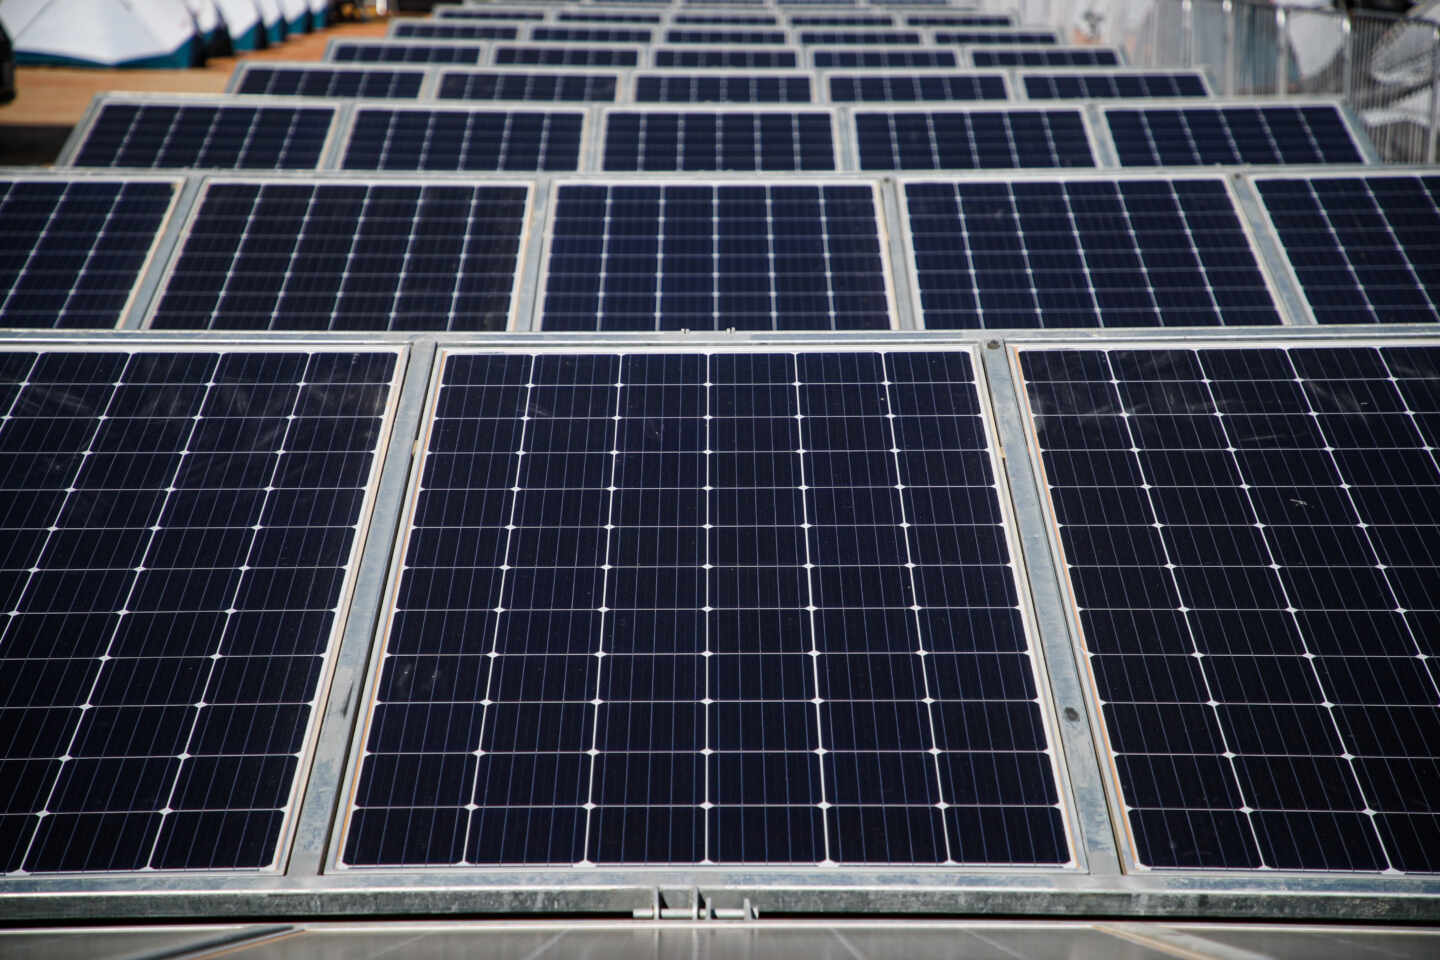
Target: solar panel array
[(736, 582)]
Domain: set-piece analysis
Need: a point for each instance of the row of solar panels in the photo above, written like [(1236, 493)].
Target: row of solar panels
[(712, 36), (1085, 250), (261, 134), (686, 17), (709, 605)]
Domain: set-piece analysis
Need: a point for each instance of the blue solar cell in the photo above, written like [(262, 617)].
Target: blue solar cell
[(178, 531), (739, 58), (699, 520), (1083, 253), (1206, 135), (1131, 85), (453, 31), (298, 255), (1365, 249), (721, 38), (771, 257), (590, 35), (884, 58), (577, 16), (463, 140), (842, 21), (961, 20), (725, 19), (567, 56), (835, 38), (722, 88), (1055, 57), (557, 87), (898, 88), (71, 251), (472, 13), (1250, 545), (176, 135), (331, 82), (398, 52), (972, 37), (976, 139), (719, 141)]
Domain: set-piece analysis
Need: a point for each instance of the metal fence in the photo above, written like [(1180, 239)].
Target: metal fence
[(1384, 68)]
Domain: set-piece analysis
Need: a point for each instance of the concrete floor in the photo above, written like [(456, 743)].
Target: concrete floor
[(49, 101)]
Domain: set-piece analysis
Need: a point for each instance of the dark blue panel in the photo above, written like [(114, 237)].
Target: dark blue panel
[(724, 38), (1083, 254), (665, 665), (71, 252), (881, 38), (718, 141), (589, 35), (961, 20), (725, 19), (135, 687), (1365, 249), (386, 52), (565, 56), (463, 140), (471, 13), (842, 21), (558, 87), (166, 135), (739, 58), (1208, 135), (972, 140), (1128, 86), (884, 58), (900, 88), (573, 16), (710, 257), (720, 88), (308, 256), (332, 82), (1054, 57), (974, 37), (453, 31), (1248, 579)]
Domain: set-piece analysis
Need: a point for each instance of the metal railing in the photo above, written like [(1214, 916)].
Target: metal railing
[(1386, 69)]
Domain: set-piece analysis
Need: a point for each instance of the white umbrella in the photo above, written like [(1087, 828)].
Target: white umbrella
[(242, 22), (319, 14), (102, 33), (296, 14)]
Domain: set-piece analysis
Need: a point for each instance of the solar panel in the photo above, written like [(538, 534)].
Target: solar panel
[(721, 38), (1365, 249), (961, 20), (205, 135), (1056, 57), (382, 139), (311, 81), (297, 255), (706, 609), (850, 59), (725, 19), (702, 257), (962, 140), (768, 141), (1250, 544), (564, 55), (557, 87), (393, 51), (721, 88), (1206, 135), (590, 35), (835, 38), (842, 21), (971, 37), (71, 251), (897, 88), (451, 31), (473, 13), (1083, 253), (180, 529), (739, 58), (1130, 85), (574, 16)]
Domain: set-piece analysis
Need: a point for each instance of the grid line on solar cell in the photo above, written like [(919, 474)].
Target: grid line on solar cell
[(831, 38), (962, 140), (721, 88), (177, 533), (739, 58), (1159, 136), (853, 58), (554, 87), (331, 82), (206, 135), (1083, 253), (71, 252), (567, 56), (637, 623), (399, 52), (898, 88), (1128, 85), (452, 31), (1365, 249), (768, 257), (1251, 544), (653, 140), (463, 140), (347, 256), (1054, 57)]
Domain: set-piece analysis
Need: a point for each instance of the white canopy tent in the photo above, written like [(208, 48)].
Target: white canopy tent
[(102, 33), (272, 19), (242, 22), (296, 14)]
